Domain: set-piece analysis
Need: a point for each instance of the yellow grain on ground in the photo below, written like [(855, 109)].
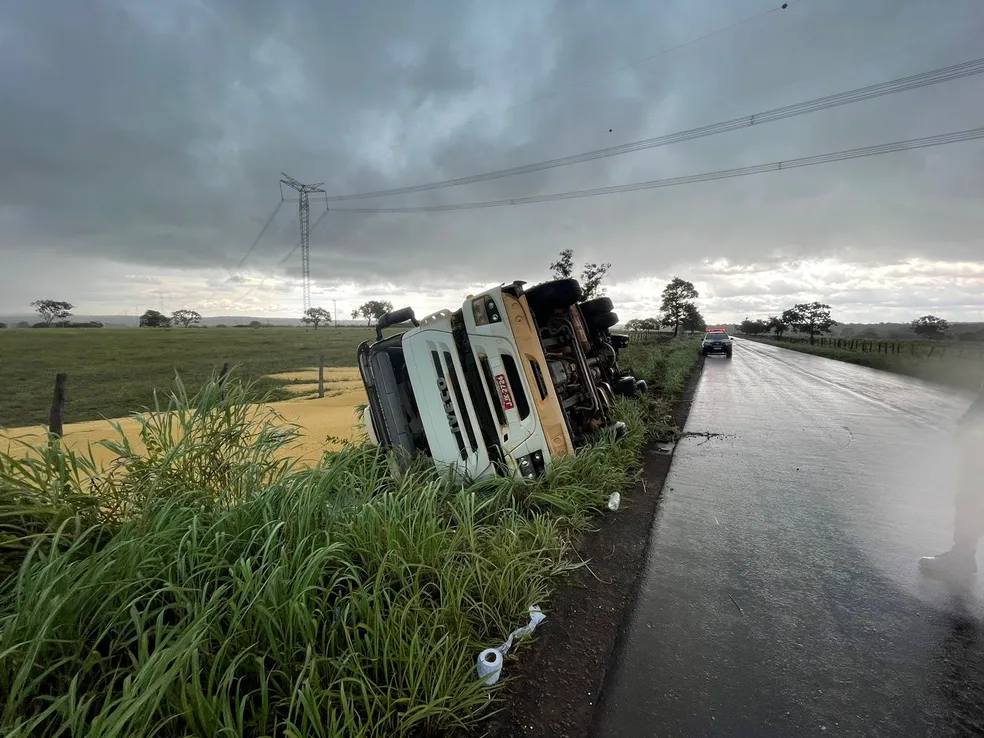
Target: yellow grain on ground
[(334, 415), (332, 374), (304, 383)]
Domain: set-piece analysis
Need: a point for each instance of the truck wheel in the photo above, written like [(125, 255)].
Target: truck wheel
[(604, 320), (558, 294), (595, 307)]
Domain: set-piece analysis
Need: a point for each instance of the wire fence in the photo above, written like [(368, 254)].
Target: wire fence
[(942, 350), (653, 336)]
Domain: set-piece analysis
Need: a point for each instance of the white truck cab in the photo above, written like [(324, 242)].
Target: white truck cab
[(431, 393), (502, 340)]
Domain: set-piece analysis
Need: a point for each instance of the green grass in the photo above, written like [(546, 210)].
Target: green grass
[(206, 588), (665, 366), (112, 373), (950, 369)]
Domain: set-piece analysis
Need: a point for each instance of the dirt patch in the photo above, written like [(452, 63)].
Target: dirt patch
[(558, 679)]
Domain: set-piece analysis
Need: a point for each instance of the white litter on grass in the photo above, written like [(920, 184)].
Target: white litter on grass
[(613, 501), (489, 666)]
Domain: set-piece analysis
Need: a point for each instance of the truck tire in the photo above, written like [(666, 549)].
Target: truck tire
[(556, 295), (625, 387), (595, 307), (603, 320)]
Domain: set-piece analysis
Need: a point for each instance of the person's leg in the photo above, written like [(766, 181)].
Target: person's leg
[(968, 523), (968, 528)]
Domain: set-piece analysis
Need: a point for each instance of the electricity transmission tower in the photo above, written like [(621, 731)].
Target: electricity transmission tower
[(303, 212)]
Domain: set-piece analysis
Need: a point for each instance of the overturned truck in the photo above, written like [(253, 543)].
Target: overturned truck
[(500, 387)]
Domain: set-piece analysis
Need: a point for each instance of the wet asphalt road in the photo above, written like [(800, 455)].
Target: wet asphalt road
[(781, 596)]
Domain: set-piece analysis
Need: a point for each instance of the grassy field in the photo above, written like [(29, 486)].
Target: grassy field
[(112, 373), (959, 366), (208, 588)]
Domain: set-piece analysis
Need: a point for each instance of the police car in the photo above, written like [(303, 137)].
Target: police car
[(717, 341)]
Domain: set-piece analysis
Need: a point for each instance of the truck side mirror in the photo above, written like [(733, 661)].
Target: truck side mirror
[(394, 318)]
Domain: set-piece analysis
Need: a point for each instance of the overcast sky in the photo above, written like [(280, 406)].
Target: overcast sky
[(141, 144)]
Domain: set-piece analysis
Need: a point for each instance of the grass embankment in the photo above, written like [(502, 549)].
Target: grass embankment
[(114, 372), (965, 373), (208, 588)]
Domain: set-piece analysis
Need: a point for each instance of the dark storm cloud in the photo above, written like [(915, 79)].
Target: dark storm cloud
[(154, 133)]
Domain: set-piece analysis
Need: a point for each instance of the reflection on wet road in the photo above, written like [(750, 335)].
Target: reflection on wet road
[(781, 595)]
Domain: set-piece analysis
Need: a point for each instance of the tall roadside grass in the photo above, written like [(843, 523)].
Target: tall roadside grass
[(203, 588), (665, 366)]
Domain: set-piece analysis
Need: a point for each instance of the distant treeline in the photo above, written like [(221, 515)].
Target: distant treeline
[(64, 324)]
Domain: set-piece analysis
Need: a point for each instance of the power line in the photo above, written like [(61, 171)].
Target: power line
[(879, 149), (944, 74), (262, 233), (886, 148), (252, 247), (284, 260)]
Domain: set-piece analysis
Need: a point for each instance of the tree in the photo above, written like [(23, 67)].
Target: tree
[(186, 317), (929, 326), (316, 316), (678, 295), (591, 275), (373, 309), (776, 325), (643, 324), (692, 320), (154, 319), (52, 309), (810, 317), (563, 268), (753, 327)]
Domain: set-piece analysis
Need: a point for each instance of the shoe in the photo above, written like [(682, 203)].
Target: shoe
[(957, 563)]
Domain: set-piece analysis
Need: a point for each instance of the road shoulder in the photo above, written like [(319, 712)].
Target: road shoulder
[(558, 680)]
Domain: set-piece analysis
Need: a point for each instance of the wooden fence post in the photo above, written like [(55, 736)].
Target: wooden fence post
[(321, 375), (56, 416), (223, 375)]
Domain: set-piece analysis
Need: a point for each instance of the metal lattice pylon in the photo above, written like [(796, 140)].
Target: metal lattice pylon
[(304, 215)]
